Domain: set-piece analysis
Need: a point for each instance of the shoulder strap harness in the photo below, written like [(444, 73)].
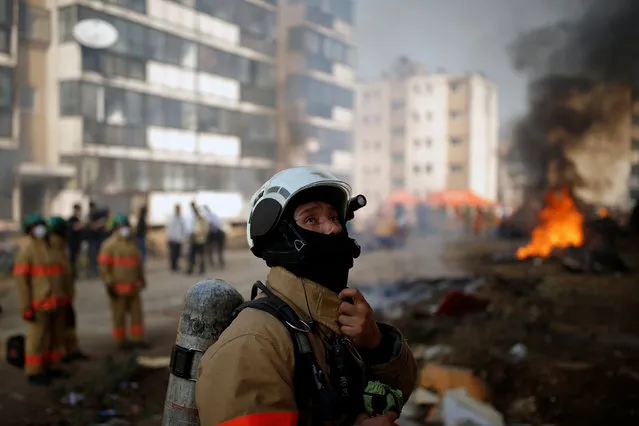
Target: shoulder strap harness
[(307, 370)]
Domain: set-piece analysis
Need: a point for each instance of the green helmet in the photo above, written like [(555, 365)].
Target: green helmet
[(32, 220), (57, 225), (120, 219)]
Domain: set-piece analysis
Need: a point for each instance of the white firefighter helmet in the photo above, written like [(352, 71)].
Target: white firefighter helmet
[(270, 201)]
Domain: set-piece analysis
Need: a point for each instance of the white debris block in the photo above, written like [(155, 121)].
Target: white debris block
[(460, 409)]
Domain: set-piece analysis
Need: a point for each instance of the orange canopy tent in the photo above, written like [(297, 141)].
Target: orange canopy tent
[(462, 197), (401, 197)]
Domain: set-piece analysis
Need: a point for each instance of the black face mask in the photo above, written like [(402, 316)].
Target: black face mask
[(327, 258)]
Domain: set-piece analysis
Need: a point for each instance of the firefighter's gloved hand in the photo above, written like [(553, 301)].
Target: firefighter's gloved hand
[(112, 292), (28, 315), (380, 398)]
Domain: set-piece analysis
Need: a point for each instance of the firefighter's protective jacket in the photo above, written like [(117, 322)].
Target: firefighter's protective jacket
[(41, 277), (246, 377), (121, 265), (59, 246)]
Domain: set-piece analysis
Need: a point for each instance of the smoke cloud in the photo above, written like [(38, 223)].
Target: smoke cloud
[(577, 133)]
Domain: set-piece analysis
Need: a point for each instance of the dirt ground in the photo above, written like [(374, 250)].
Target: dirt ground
[(580, 332), (580, 335)]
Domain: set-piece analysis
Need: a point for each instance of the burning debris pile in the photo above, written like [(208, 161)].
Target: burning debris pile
[(519, 340), (564, 233), (561, 226)]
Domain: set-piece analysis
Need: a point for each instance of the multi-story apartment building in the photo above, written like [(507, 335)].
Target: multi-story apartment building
[(316, 59), (194, 96), (184, 101), (9, 152), (425, 132)]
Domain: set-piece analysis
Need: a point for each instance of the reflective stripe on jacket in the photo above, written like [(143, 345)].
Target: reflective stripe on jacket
[(246, 377), (121, 265), (41, 277)]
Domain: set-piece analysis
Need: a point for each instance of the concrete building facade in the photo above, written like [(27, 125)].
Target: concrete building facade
[(9, 111), (195, 97), (424, 133), (316, 78)]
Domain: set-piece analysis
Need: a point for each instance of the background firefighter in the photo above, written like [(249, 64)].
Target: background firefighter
[(58, 233), (122, 272), (43, 296)]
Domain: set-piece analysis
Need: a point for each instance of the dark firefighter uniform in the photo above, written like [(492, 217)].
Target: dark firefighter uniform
[(58, 229), (121, 270), (41, 281)]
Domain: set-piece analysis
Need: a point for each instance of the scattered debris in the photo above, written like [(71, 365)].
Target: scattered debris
[(457, 304), (523, 408), (460, 409), (439, 379), (72, 398), (518, 352)]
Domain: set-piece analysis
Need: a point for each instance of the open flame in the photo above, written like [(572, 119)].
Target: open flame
[(561, 225)]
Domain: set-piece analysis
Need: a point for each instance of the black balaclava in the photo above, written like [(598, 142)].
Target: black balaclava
[(325, 259)]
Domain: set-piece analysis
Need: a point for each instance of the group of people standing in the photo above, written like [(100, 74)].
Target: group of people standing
[(95, 229), (45, 272), (204, 233)]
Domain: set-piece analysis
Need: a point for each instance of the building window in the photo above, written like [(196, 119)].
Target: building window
[(456, 114), (378, 145), (635, 119), (33, 23), (6, 22), (398, 131), (456, 86), (416, 117), (456, 168), (67, 17), (429, 142), (416, 169), (397, 158), (27, 98), (135, 5), (6, 102), (398, 105), (429, 168), (417, 143), (456, 141), (635, 144), (417, 88), (69, 99)]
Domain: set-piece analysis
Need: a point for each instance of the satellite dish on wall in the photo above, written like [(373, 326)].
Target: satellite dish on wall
[(95, 33)]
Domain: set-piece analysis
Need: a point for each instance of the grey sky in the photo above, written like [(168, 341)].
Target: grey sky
[(456, 35)]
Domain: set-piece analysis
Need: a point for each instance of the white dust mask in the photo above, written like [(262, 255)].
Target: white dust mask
[(40, 231)]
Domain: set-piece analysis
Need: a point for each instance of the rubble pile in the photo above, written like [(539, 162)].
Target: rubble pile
[(550, 346)]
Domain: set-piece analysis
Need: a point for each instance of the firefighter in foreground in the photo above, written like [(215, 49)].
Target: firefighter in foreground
[(41, 281), (58, 231), (254, 375), (123, 275)]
